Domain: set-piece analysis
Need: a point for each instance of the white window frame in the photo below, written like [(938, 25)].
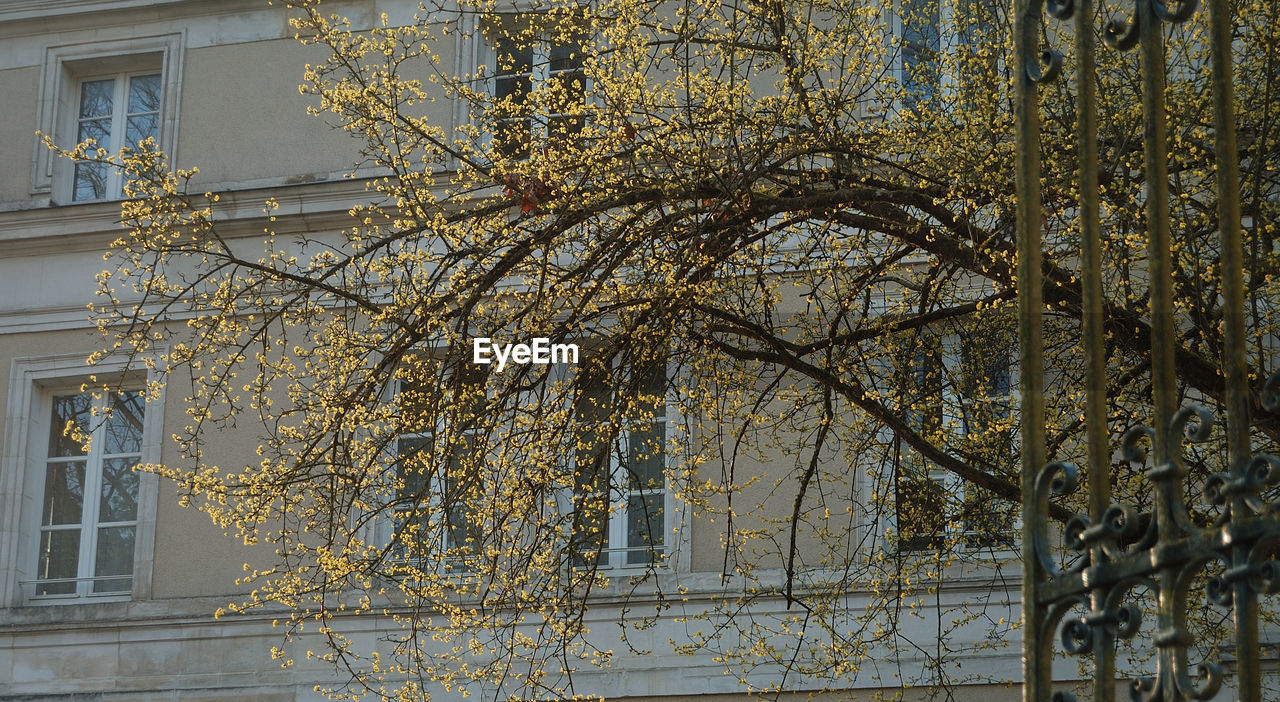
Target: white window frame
[(540, 74), (615, 558), (33, 383), (438, 517), (66, 67), (949, 42)]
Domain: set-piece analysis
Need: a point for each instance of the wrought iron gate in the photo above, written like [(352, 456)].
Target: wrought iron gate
[(1084, 605)]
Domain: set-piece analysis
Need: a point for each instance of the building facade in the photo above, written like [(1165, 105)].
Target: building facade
[(108, 586)]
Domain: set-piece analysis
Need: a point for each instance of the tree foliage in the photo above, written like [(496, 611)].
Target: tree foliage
[(803, 214)]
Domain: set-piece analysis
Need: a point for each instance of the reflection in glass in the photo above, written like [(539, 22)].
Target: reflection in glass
[(73, 410), (644, 528), (119, 501), (114, 557), (124, 425), (144, 94), (59, 556), (139, 128), (63, 493), (96, 97), (646, 456)]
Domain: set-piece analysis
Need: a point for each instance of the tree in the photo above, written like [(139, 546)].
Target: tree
[(815, 245)]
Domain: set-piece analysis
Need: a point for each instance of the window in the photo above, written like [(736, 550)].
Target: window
[(439, 465), (955, 390), (115, 111), (115, 92), (619, 501), (77, 522), (527, 63), (945, 51), (89, 510), (920, 51)]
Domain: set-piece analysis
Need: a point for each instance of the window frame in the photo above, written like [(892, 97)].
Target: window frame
[(436, 515), (65, 67), (540, 74), (954, 366), (615, 559), (949, 39), (33, 383)]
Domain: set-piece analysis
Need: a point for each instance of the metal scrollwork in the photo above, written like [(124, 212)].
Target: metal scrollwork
[(1117, 550), (1047, 68), (1120, 34)]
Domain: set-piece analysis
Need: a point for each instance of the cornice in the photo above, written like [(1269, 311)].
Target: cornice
[(51, 230), (18, 10)]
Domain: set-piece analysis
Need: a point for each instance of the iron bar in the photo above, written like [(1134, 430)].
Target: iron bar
[(1037, 657)]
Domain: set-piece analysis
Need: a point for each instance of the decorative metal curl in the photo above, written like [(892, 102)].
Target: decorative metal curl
[(1140, 688), (1077, 636), (1061, 9), (1181, 11), (1121, 35), (1076, 533), (1148, 689), (1132, 451), (1264, 577), (1045, 68), (1056, 478), (1196, 433), (1128, 621), (1210, 673), (1271, 393)]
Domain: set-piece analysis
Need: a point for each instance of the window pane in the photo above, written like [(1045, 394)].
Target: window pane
[(119, 501), (568, 91), (646, 451), (91, 182), (139, 128), (412, 504), (922, 511), (59, 555), (144, 93), (644, 528), (73, 410), (920, 46), (96, 97), (565, 57), (513, 58), (97, 129), (124, 426), (114, 557), (63, 493)]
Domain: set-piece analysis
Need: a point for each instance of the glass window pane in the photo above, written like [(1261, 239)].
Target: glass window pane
[(96, 97), (63, 493), (566, 56), (645, 456), (513, 137), (71, 410), (517, 88), (644, 528), (124, 426), (91, 182), (114, 557), (144, 93), (569, 90), (514, 58), (139, 128), (97, 129), (119, 501), (59, 556)]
